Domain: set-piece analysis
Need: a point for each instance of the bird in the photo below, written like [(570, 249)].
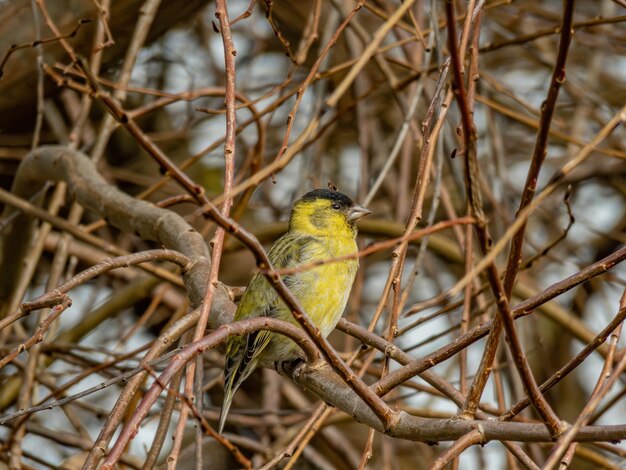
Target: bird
[(321, 227)]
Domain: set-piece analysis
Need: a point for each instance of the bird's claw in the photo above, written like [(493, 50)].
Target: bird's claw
[(289, 365)]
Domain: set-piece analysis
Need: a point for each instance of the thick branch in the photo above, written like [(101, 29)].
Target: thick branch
[(121, 210)]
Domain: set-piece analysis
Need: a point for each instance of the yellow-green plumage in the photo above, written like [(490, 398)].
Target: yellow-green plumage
[(321, 227)]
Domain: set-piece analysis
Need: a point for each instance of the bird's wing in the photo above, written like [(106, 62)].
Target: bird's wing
[(260, 299)]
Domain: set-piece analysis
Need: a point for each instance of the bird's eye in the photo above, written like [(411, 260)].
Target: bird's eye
[(336, 206)]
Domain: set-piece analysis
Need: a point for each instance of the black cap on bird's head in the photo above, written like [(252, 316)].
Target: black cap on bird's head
[(334, 196)]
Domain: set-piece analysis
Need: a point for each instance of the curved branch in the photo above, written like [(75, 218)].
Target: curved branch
[(91, 190)]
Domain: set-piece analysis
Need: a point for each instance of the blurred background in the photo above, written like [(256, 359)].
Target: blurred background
[(369, 143)]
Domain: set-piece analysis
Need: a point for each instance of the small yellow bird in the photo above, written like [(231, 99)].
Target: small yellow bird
[(321, 227)]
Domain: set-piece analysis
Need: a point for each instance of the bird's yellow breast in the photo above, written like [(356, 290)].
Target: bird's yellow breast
[(329, 284)]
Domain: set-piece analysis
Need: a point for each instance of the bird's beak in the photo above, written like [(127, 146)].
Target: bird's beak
[(357, 212)]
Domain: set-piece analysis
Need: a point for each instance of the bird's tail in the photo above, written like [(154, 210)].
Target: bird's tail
[(228, 400), (242, 357), (234, 378)]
